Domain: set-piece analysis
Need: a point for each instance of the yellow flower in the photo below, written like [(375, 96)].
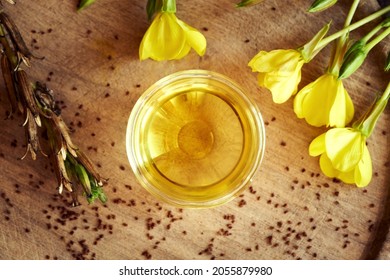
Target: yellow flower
[(170, 38), (279, 71), (344, 155), (324, 102)]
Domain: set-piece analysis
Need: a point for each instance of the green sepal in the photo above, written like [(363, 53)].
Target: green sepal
[(310, 50), (367, 123), (84, 4), (152, 7), (169, 6), (359, 44), (245, 3), (321, 5), (352, 61)]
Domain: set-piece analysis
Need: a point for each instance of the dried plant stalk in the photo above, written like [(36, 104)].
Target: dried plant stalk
[(37, 104)]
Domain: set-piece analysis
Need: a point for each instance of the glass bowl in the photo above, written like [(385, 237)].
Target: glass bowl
[(195, 139)]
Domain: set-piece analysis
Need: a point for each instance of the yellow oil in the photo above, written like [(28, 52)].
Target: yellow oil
[(195, 144), (194, 140)]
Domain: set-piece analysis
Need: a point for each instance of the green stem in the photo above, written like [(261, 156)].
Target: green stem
[(351, 27), (338, 53), (351, 13), (369, 35), (386, 94), (169, 6), (377, 39)]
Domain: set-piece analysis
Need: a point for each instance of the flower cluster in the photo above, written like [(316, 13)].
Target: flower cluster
[(325, 101)]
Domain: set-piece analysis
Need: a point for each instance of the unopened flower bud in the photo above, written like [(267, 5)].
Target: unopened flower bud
[(352, 62), (320, 5), (359, 44)]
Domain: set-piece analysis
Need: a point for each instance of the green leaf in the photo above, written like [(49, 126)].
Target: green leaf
[(84, 3)]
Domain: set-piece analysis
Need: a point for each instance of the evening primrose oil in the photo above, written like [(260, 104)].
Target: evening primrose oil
[(194, 139)]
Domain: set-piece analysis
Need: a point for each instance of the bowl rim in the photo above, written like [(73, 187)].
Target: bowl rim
[(132, 133)]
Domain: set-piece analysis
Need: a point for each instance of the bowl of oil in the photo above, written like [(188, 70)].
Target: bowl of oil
[(194, 139)]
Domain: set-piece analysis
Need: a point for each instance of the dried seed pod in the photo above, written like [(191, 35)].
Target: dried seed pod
[(28, 94), (46, 100), (85, 161), (31, 132), (54, 134), (9, 84), (24, 59), (15, 35), (11, 2), (61, 173), (32, 152), (70, 147)]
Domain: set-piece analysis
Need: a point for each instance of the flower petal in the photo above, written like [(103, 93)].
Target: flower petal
[(282, 72), (344, 147), (342, 109), (283, 60), (327, 167), (298, 110), (164, 39), (318, 99), (347, 177), (260, 79), (183, 52), (324, 102), (317, 146), (195, 39), (363, 172), (349, 108), (283, 84)]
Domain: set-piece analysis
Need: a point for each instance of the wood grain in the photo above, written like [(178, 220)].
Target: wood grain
[(291, 211)]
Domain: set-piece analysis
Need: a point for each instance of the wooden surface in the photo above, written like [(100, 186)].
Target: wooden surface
[(91, 61)]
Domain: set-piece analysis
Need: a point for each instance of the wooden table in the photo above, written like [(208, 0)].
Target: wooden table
[(291, 211)]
